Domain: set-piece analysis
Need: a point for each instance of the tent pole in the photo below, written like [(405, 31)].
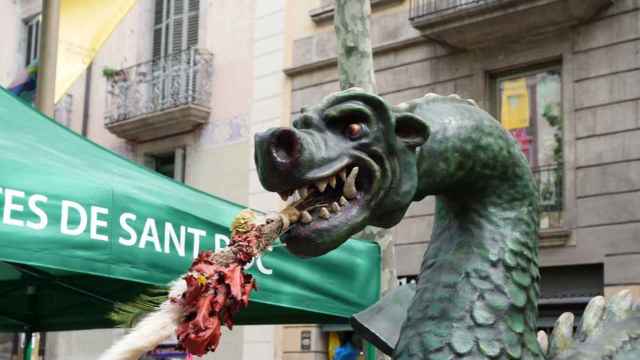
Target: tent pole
[(32, 303), (28, 338)]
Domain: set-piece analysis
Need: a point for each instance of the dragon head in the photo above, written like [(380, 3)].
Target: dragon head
[(346, 163)]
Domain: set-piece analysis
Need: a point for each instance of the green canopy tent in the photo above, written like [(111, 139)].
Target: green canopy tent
[(82, 228)]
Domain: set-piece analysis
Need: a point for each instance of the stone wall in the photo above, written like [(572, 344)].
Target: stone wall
[(607, 117)]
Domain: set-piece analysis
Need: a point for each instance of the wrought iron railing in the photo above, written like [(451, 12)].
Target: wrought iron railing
[(164, 83), (422, 8), (550, 183)]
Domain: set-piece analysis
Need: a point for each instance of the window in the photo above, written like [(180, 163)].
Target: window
[(175, 31), (529, 106), (170, 164), (33, 39), (175, 26)]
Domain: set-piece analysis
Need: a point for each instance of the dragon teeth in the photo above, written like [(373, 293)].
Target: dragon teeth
[(303, 192), (284, 195), (305, 217), (322, 185), (350, 191), (332, 182), (343, 174), (335, 207), (324, 213), (343, 201)]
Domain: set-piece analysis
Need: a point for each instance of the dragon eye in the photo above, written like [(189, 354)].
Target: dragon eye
[(353, 131)]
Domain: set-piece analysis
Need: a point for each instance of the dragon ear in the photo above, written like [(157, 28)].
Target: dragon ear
[(411, 130)]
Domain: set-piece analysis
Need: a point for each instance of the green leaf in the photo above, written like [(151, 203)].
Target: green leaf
[(128, 314)]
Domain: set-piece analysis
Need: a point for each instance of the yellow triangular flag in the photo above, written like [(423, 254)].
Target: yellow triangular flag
[(84, 27)]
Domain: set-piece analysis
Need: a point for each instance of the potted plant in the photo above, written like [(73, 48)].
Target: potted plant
[(114, 75)]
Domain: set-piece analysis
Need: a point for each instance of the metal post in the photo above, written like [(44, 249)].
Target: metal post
[(47, 62)]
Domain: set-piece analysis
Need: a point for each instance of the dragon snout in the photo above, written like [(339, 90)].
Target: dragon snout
[(278, 145), (277, 153), (285, 145)]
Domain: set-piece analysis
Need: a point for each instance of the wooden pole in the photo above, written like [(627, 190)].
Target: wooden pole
[(355, 57), (48, 56)]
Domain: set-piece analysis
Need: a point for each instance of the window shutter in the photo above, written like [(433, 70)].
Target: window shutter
[(193, 22), (192, 30), (194, 6), (178, 7), (158, 25), (177, 33), (157, 42), (158, 12), (175, 26), (177, 40)]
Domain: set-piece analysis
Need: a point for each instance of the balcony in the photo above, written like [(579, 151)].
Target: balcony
[(550, 181), (476, 23), (166, 96)]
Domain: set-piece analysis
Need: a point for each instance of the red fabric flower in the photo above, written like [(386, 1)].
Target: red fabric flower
[(215, 293)]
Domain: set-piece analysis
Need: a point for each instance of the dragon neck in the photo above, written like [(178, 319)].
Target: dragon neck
[(478, 286)]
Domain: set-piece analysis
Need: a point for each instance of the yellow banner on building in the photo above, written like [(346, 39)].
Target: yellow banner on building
[(84, 26), (514, 112)]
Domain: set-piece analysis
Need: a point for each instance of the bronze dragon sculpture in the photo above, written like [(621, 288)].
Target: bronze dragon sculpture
[(354, 160)]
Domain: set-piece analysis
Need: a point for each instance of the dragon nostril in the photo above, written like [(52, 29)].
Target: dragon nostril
[(285, 145)]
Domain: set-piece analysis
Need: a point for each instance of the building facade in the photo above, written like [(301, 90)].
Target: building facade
[(199, 78)]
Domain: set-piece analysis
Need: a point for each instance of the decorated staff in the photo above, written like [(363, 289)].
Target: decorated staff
[(206, 297)]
